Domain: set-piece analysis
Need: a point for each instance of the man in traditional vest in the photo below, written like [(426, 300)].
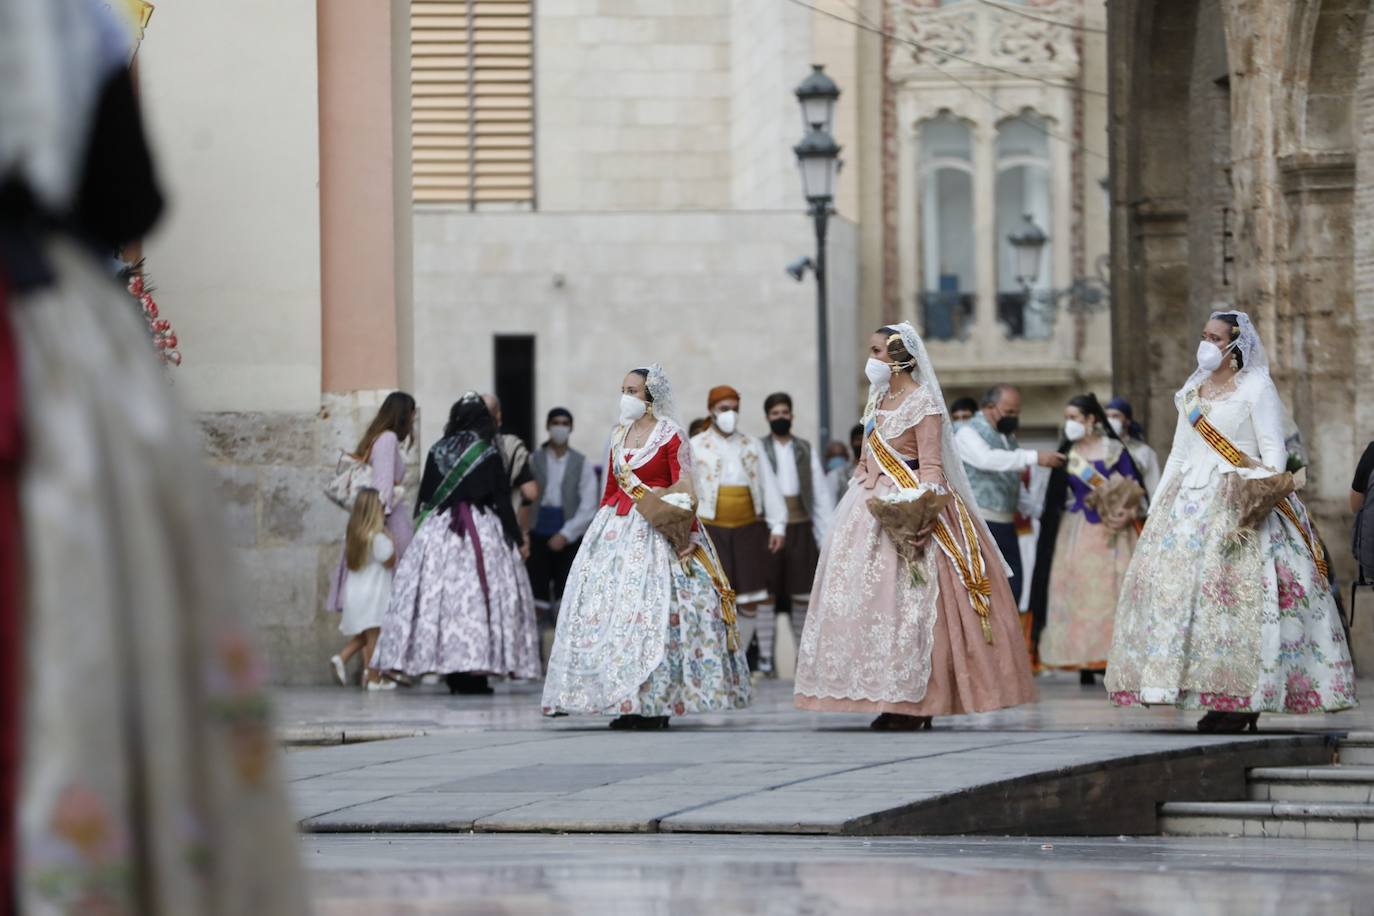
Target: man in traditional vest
[(739, 503), (994, 462), (567, 502), (805, 490)]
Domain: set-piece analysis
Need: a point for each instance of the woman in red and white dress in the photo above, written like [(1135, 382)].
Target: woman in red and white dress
[(641, 632)]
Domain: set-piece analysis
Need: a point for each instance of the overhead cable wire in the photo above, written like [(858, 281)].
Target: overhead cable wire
[(1043, 128), (931, 49)]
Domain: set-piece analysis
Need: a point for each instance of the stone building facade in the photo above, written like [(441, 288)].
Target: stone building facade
[(635, 199), (1243, 174), (995, 111)]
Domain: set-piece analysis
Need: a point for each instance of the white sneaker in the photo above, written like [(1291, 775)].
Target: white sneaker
[(382, 684), (340, 673)]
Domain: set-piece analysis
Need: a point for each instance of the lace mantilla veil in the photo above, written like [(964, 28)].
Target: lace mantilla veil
[(664, 407), (1253, 354), (955, 476)]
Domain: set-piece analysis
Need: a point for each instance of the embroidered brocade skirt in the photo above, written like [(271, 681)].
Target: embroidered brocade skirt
[(877, 641), (442, 620), (1207, 623), (640, 632), (1090, 564)]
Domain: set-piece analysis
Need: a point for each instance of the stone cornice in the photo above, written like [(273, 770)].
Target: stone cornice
[(1314, 170)]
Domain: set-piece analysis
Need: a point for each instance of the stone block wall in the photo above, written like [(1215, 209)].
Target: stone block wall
[(271, 469), (633, 104)]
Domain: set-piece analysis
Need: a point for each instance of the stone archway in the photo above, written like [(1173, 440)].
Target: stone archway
[(1316, 311), (1151, 81)]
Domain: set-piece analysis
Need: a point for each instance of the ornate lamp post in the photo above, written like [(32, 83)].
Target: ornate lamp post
[(1084, 294), (818, 157)]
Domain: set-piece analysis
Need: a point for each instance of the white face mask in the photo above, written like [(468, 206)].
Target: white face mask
[(558, 435), (1208, 356), (726, 421), (1118, 427), (878, 372), (631, 409), (1074, 430)]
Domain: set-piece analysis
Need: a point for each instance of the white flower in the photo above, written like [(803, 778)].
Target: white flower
[(912, 494)]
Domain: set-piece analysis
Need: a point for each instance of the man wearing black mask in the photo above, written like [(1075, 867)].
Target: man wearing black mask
[(995, 462), (810, 504)]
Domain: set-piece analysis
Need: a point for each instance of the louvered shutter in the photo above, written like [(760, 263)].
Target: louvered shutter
[(472, 93)]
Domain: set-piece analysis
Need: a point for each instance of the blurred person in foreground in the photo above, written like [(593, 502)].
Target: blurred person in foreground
[(137, 764)]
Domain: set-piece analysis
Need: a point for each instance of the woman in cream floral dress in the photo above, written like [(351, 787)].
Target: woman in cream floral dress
[(1235, 623), (642, 632), (883, 638)]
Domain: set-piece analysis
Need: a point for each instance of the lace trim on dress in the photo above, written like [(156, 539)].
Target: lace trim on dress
[(917, 406)]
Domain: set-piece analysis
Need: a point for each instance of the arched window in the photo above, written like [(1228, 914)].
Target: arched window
[(948, 250), (1023, 188)]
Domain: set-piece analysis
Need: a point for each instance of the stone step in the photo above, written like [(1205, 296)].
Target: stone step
[(1340, 784), (1290, 820), (1356, 748)]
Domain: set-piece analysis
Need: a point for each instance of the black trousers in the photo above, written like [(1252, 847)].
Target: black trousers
[(549, 569), (1004, 533)]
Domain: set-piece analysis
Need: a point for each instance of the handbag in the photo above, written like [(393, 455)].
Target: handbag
[(351, 476)]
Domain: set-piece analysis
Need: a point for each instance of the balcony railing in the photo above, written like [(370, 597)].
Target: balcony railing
[(948, 315)]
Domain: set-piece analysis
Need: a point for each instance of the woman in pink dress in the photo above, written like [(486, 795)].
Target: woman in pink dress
[(909, 641)]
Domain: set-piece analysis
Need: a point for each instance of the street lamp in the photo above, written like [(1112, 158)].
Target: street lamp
[(1029, 243), (1084, 294), (817, 95), (818, 157)]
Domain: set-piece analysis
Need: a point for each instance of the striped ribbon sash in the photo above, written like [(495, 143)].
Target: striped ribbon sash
[(964, 552), (1192, 406), (466, 462), (1084, 470), (703, 551)]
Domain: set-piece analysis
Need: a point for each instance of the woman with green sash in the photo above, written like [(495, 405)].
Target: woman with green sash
[(1225, 605), (461, 603)]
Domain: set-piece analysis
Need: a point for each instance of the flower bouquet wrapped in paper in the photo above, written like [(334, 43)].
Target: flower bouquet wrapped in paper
[(904, 515), (1258, 497), (1120, 494), (671, 510)]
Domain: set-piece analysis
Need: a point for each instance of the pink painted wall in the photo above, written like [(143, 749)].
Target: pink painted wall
[(358, 202)]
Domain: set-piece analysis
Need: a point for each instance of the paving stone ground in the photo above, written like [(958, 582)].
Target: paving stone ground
[(687, 875), (495, 765)]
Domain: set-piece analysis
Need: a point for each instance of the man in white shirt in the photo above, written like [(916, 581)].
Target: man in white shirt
[(567, 484), (806, 492), (742, 509), (994, 462)]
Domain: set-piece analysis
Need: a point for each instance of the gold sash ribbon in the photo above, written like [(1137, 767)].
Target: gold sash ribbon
[(703, 551), (1192, 406), (966, 556)]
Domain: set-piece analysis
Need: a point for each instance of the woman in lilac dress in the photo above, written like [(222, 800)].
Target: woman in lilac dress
[(461, 603), (389, 431)]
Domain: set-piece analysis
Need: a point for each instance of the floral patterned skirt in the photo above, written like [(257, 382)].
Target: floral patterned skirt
[(1090, 564), (441, 619), (640, 632), (1204, 623), (151, 782)]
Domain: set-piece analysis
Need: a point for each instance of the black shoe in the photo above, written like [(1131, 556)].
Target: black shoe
[(639, 723), (468, 684), (1086, 679)]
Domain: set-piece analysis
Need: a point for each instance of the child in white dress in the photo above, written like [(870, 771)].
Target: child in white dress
[(370, 556)]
